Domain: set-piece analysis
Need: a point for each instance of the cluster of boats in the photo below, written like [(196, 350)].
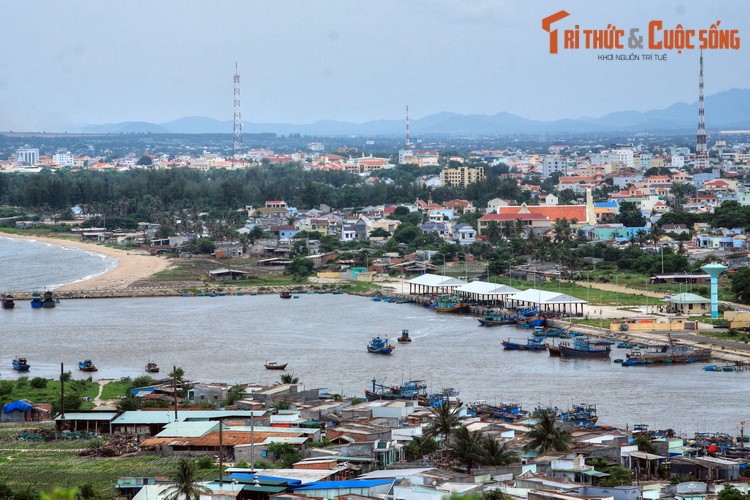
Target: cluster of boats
[(44, 300), (578, 345), (393, 300), (412, 389), (530, 318), (21, 364), (381, 345)]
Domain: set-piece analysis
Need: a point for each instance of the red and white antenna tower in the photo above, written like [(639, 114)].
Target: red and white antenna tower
[(408, 137)]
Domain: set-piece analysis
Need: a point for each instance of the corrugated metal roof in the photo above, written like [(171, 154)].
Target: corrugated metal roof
[(535, 296), (140, 417), (336, 485), (286, 439), (188, 429), (102, 415), (428, 279), (484, 288)]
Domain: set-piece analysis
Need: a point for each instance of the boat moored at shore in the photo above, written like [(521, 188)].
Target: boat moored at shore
[(87, 366), (8, 302)]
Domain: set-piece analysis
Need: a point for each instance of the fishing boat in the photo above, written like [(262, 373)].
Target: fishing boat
[(36, 300), (411, 389), (507, 412), (380, 345), (48, 300), (624, 345), (286, 294), (404, 338), (87, 366), (532, 344), (582, 348), (20, 364), (669, 353), (434, 400), (8, 302), (554, 350), (152, 367), (448, 304), (273, 365), (531, 321), (540, 331), (494, 319)]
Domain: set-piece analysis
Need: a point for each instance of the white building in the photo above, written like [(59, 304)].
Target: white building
[(678, 161), (63, 158), (27, 156), (622, 155), (553, 164)]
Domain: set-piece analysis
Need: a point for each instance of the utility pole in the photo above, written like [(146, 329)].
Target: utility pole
[(62, 393), (221, 453), (174, 390)]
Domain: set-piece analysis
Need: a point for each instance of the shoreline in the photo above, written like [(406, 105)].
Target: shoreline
[(129, 267)]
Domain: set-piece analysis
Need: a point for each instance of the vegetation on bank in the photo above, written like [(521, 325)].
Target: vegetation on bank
[(78, 393)]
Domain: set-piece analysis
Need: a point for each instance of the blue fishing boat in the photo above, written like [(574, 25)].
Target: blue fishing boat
[(376, 299), (411, 389), (624, 345), (531, 321), (87, 366), (36, 300), (380, 345), (494, 319), (532, 344), (447, 304), (540, 331), (20, 364), (582, 348), (528, 312)]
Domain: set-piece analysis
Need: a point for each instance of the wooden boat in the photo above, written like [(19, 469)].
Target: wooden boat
[(36, 300), (584, 349), (273, 365), (670, 353), (404, 338), (286, 294), (532, 344), (531, 321), (448, 304), (8, 302), (48, 300), (411, 389), (87, 366), (380, 346), (20, 364), (152, 367), (554, 350), (493, 319)]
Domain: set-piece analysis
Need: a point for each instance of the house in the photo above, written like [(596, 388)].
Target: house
[(227, 274), (439, 228), (464, 234), (25, 411), (675, 228), (688, 304)]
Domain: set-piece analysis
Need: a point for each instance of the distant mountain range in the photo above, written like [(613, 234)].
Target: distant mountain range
[(725, 110)]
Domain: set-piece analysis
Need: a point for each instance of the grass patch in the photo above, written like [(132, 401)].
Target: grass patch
[(37, 231), (734, 335), (12, 390), (115, 389), (359, 286)]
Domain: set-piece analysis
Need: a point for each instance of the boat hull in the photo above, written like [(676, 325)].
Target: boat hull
[(531, 346), (275, 366), (497, 322), (553, 350), (573, 352), (382, 350)]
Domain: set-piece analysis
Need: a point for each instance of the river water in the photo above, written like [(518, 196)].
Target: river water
[(28, 265), (324, 338)]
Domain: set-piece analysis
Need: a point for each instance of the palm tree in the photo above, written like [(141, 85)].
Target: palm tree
[(496, 453), (187, 485), (288, 378), (445, 418), (466, 448), (547, 435), (645, 444)]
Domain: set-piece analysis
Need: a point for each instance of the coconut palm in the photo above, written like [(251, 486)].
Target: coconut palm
[(445, 418), (187, 485), (466, 448), (288, 378), (496, 453), (547, 435)]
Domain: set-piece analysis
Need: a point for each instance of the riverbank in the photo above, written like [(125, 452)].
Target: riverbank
[(130, 266)]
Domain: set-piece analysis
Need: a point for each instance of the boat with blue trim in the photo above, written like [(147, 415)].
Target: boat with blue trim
[(380, 345), (494, 319), (584, 348), (411, 389), (20, 364), (87, 366), (532, 344)]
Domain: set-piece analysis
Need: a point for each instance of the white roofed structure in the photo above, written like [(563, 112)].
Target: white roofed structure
[(433, 283), (548, 301), (483, 291)]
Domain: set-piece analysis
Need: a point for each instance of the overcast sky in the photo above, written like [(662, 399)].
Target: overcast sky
[(81, 62)]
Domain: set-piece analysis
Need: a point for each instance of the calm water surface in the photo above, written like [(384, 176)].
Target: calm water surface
[(323, 338), (27, 265)]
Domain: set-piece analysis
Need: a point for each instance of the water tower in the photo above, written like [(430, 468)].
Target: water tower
[(714, 269)]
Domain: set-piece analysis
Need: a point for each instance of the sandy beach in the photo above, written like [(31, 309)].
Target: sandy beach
[(130, 267)]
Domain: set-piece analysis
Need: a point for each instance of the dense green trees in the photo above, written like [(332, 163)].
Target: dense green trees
[(741, 285), (546, 434)]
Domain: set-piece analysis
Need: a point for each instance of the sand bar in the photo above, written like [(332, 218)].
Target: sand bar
[(131, 266)]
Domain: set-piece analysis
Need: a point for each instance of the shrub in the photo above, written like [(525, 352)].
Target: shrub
[(205, 462), (38, 382)]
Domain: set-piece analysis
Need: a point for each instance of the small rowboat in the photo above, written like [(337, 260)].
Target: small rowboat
[(275, 366)]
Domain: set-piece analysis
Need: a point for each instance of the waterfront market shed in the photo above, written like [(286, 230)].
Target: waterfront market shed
[(548, 301), (486, 293), (433, 284), (688, 304)]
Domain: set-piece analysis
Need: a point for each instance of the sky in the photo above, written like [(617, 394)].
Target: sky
[(66, 64)]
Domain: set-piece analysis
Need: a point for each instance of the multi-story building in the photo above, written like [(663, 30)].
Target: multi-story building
[(461, 176), (27, 156), (63, 158), (554, 163)]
